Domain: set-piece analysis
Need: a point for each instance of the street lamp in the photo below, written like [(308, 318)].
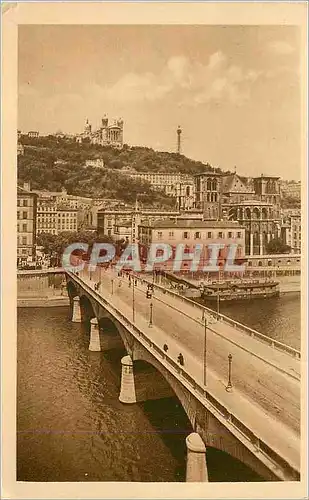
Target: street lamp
[(112, 281), (205, 351), (150, 317), (133, 299), (206, 323), (218, 302), (203, 314), (229, 384)]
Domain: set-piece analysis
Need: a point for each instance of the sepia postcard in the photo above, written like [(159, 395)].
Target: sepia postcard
[(154, 250)]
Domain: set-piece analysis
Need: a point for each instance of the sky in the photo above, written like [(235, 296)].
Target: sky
[(234, 90)]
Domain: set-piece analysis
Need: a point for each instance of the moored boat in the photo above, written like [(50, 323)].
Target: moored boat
[(240, 289)]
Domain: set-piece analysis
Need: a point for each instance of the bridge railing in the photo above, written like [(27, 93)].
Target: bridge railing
[(276, 344), (238, 326), (200, 390)]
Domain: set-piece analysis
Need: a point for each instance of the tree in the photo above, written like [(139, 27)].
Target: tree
[(276, 245), (55, 245), (48, 242), (51, 163)]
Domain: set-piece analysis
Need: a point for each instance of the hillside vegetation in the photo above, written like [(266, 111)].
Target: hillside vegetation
[(51, 164)]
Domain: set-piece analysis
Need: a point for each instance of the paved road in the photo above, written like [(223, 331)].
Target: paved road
[(262, 390)]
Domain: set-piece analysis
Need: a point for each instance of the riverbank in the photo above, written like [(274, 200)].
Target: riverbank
[(43, 301)]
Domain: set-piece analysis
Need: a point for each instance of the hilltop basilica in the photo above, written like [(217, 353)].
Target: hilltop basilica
[(106, 135)]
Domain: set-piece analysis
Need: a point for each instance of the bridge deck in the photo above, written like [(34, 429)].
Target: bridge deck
[(266, 388)]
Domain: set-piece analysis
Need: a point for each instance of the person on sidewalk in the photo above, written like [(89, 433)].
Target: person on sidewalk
[(180, 359)]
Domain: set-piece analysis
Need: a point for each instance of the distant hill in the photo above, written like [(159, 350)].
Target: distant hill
[(51, 163)]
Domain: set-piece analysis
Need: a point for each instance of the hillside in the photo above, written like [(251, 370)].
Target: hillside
[(50, 163)]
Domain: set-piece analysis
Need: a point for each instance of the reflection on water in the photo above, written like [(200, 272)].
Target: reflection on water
[(71, 425)]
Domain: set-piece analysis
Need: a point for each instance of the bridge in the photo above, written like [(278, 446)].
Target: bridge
[(239, 388)]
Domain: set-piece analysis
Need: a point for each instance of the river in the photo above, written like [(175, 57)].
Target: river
[(276, 317), (71, 425)]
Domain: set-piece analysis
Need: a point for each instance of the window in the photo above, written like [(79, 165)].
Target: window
[(24, 240), (209, 234), (185, 235), (239, 234), (220, 234), (24, 228), (18, 215), (171, 234), (159, 234), (18, 203), (24, 215), (197, 235), (18, 228), (230, 234), (25, 203)]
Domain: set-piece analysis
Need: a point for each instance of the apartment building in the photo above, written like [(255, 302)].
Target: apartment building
[(109, 221), (160, 181), (67, 219), (26, 223), (47, 217), (190, 233)]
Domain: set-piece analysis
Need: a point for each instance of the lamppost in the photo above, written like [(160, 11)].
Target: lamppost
[(150, 317), (205, 351), (133, 299), (229, 384), (112, 281), (218, 302)]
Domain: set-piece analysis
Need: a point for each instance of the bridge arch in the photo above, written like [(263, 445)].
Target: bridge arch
[(142, 357), (111, 334), (86, 309), (215, 436), (72, 290)]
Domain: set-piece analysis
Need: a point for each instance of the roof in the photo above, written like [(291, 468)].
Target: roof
[(233, 184), (192, 224), (209, 172), (262, 176), (23, 191), (48, 193)]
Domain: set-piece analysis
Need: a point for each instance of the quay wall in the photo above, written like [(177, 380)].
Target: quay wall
[(41, 289)]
